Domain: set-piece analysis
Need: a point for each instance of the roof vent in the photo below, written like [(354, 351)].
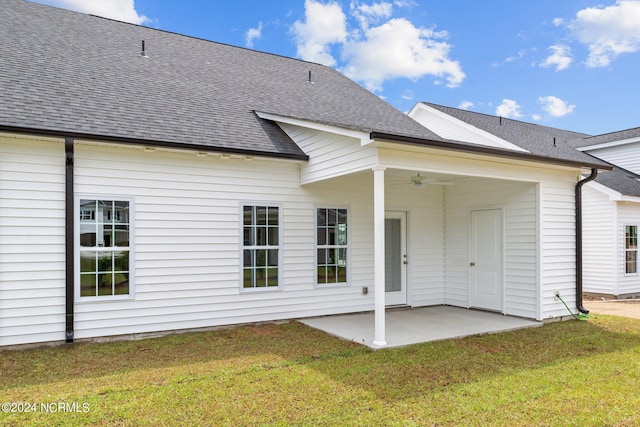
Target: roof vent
[(143, 53), (309, 80)]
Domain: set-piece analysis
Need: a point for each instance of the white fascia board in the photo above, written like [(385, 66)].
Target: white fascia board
[(497, 141), (364, 137), (610, 144), (631, 199)]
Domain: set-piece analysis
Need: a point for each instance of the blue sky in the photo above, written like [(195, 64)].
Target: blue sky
[(571, 64)]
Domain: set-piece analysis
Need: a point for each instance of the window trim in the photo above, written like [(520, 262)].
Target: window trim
[(625, 250), (78, 248), (279, 247), (316, 246)]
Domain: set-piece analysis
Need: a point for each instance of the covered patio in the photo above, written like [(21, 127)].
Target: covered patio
[(406, 326)]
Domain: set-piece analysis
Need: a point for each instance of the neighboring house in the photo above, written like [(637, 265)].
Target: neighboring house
[(611, 203), (195, 184), (612, 215)]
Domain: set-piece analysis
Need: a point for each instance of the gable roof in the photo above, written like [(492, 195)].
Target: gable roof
[(73, 74), (621, 180), (536, 139), (592, 142)]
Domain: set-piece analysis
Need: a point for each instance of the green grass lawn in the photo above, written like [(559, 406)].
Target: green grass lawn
[(562, 374)]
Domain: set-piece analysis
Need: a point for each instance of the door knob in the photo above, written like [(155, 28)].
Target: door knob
[(472, 264)]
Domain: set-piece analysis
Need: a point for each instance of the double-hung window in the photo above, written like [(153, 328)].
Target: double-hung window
[(332, 246), (104, 247), (631, 249), (261, 246)]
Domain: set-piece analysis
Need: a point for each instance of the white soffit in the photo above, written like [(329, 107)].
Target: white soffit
[(449, 127), (364, 137)]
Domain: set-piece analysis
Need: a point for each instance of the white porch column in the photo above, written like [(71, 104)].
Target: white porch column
[(379, 258)]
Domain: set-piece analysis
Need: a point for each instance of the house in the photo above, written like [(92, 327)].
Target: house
[(610, 202), (612, 215), (151, 181)]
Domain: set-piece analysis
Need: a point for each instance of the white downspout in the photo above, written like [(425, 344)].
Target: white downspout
[(379, 258)]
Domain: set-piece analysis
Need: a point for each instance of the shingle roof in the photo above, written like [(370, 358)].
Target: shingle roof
[(534, 138), (64, 71), (607, 137), (621, 180), (539, 140)]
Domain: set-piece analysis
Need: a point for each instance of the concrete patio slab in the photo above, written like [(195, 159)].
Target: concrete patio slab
[(417, 325)]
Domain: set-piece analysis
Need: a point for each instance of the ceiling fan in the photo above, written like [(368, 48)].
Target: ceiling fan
[(419, 181)]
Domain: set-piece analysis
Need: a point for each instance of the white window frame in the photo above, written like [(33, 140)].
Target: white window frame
[(78, 248), (317, 246), (278, 247), (626, 250)]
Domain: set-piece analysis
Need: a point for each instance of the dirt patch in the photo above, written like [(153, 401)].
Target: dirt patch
[(624, 308)]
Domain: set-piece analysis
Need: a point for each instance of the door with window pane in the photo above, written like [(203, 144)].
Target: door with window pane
[(395, 258)]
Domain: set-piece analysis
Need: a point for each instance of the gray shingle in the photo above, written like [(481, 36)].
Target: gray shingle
[(604, 138), (534, 138), (621, 180), (87, 72)]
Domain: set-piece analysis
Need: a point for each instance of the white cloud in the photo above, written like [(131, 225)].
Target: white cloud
[(509, 109), (253, 34), (398, 49), (120, 10), (381, 48), (554, 106), (560, 58), (407, 95), (325, 24), (369, 14), (558, 21), (537, 117), (521, 53), (609, 31), (465, 105)]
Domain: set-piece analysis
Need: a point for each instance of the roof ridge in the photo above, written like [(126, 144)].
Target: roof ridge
[(509, 119), (611, 133)]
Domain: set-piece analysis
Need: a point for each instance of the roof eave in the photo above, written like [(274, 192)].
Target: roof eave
[(487, 151), (151, 143)]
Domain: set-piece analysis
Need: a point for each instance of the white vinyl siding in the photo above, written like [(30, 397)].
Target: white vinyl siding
[(558, 243), (425, 234), (626, 156), (32, 236), (188, 241), (600, 237), (188, 230), (330, 155), (520, 230)]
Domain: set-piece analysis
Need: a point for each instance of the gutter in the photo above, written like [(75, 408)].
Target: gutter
[(487, 151), (151, 143), (578, 210), (69, 240)]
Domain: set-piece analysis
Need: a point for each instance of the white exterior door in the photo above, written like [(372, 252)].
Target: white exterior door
[(486, 270), (395, 237)]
